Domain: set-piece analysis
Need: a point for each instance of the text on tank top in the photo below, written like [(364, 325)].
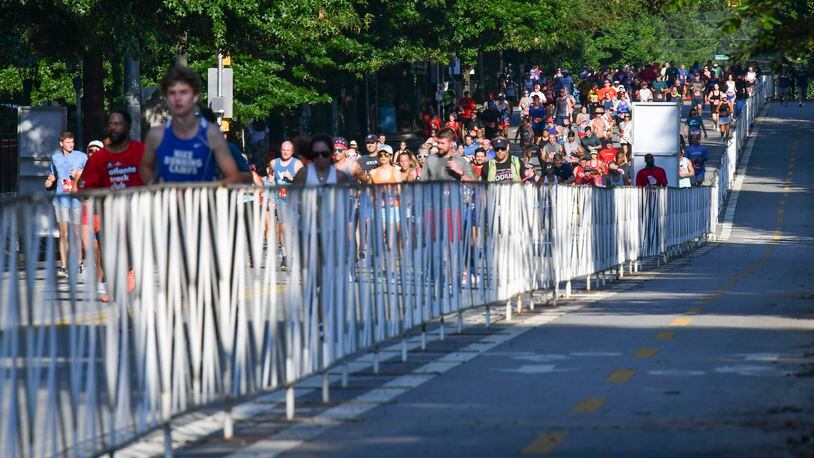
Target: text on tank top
[(181, 160)]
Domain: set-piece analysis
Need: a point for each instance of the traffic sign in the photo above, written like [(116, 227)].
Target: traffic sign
[(222, 104), (721, 57)]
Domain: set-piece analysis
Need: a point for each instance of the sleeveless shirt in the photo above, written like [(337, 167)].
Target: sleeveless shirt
[(183, 160)]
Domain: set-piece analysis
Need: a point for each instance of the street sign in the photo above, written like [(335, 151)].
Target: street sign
[(224, 106), (721, 57)]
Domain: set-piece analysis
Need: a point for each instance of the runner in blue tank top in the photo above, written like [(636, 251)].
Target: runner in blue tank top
[(187, 148)]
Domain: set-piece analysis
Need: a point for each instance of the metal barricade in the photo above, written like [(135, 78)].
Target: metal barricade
[(209, 304)]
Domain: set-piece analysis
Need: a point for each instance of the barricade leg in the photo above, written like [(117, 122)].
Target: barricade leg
[(509, 310), (423, 336), (326, 386), (442, 329), (531, 300), (376, 359), (289, 402), (403, 350), (488, 316), (519, 304), (167, 440), (587, 282), (460, 322), (621, 271), (345, 375), (568, 289), (228, 421)]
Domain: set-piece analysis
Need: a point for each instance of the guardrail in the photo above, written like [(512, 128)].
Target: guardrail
[(203, 310), (724, 176)]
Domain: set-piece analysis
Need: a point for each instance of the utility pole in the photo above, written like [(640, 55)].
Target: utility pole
[(132, 93)]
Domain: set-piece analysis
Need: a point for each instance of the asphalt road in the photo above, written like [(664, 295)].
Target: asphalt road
[(711, 356)]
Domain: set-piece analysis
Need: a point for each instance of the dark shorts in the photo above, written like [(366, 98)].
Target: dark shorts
[(560, 121), (538, 132)]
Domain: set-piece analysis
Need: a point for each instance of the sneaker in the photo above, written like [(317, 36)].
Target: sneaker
[(62, 272), (283, 265), (81, 270), (101, 289)]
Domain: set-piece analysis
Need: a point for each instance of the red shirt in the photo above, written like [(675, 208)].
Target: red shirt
[(467, 106), (110, 170), (651, 177), (608, 155), (580, 177)]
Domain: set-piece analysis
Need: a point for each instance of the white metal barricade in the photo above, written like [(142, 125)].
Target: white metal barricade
[(208, 305)]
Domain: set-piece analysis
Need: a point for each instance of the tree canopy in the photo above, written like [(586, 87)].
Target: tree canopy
[(284, 52)]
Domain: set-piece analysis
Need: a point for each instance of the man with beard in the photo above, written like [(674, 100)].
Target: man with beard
[(478, 161), (116, 166)]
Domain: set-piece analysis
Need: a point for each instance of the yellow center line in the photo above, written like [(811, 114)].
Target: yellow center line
[(620, 375), (666, 335), (694, 310), (681, 322), (780, 211), (781, 202), (779, 219), (589, 405), (545, 443), (646, 353)]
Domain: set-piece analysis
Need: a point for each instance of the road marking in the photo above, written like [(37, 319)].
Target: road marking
[(740, 177), (781, 202), (620, 375), (694, 310), (681, 322), (646, 353), (589, 405), (665, 335), (780, 211), (545, 443), (779, 219)]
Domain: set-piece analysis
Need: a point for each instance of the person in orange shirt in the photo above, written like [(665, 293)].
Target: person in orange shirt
[(608, 88)]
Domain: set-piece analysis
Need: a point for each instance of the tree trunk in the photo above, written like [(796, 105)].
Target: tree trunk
[(93, 101)]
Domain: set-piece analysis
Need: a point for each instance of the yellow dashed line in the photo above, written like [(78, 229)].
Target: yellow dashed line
[(780, 211), (589, 405), (681, 322), (545, 443), (666, 335), (620, 375), (694, 310), (646, 353)]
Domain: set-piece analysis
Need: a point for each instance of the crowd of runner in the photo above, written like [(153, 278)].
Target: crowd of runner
[(576, 128)]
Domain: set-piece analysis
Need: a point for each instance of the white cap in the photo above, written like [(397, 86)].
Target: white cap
[(97, 144)]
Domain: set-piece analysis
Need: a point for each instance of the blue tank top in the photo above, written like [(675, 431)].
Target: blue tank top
[(182, 160), (280, 170)]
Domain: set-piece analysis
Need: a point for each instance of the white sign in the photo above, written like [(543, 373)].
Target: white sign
[(656, 128), (657, 131)]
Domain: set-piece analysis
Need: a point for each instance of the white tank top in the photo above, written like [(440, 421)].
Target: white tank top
[(311, 178)]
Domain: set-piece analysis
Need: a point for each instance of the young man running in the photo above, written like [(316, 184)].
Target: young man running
[(66, 169), (187, 147)]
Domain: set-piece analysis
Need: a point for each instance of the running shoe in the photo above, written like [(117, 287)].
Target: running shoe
[(62, 272)]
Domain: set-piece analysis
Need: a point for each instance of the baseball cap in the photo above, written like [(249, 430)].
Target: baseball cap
[(549, 119), (372, 138), (353, 144), (500, 142), (340, 142), (386, 148), (96, 143)]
